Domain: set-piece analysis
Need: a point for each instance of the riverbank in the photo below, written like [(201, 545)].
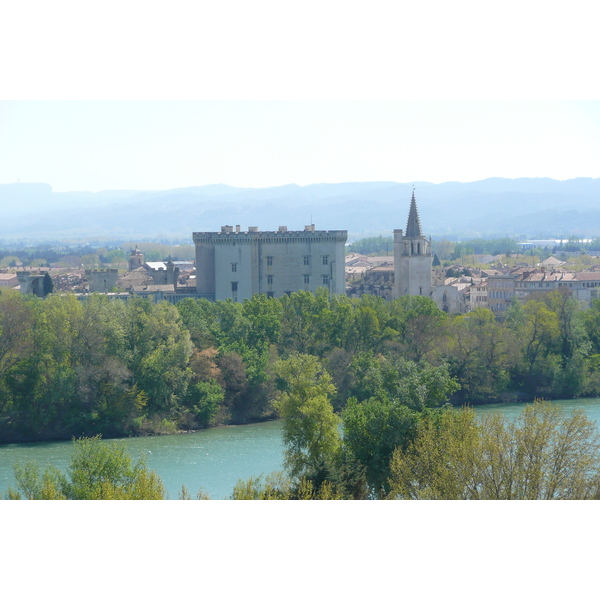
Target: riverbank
[(32, 438)]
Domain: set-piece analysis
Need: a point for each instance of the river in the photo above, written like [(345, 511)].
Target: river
[(211, 459)]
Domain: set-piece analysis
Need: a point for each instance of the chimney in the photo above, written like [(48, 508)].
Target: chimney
[(252, 229), (310, 228), (226, 229), (237, 228), (282, 228)]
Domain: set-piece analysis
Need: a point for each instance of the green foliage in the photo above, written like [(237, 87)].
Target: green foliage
[(279, 487), (482, 246), (48, 286), (97, 471), (310, 429), (390, 395), (480, 354), (378, 245), (543, 454), (204, 399), (373, 429), (415, 385), (71, 368)]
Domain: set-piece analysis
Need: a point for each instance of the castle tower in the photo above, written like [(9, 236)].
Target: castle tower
[(412, 258)]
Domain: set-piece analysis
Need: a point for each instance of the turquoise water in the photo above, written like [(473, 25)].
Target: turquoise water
[(212, 459), (512, 409)]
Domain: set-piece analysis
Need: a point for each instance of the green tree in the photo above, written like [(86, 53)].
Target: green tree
[(480, 353), (536, 329), (264, 315), (97, 471), (159, 350), (279, 487), (421, 326), (373, 429), (310, 429), (417, 386), (543, 454)]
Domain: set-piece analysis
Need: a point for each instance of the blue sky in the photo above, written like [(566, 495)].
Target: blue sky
[(85, 145)]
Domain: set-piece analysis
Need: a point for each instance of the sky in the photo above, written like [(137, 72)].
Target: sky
[(132, 95), (160, 144)]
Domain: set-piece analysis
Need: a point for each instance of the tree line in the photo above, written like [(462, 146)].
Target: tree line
[(81, 368)]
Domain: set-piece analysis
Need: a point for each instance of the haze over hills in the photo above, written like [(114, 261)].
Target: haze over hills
[(495, 207)]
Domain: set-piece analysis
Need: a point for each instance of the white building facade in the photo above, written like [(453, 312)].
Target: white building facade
[(238, 264)]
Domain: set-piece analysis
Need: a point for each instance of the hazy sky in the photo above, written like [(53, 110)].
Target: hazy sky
[(350, 54), (83, 145)]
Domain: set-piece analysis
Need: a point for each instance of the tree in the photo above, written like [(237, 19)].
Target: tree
[(279, 487), (159, 352), (310, 429), (373, 429), (48, 286), (97, 471), (480, 353), (421, 325), (537, 330), (417, 386), (390, 397), (264, 315), (543, 454)]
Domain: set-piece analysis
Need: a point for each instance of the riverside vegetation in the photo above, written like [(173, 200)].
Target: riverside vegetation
[(72, 368), (450, 454), (381, 372)]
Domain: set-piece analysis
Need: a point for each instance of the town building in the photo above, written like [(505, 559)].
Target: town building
[(101, 280), (501, 291), (583, 285), (412, 258), (8, 280), (238, 264), (476, 296)]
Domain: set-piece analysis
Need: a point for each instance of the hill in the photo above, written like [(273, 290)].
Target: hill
[(530, 207)]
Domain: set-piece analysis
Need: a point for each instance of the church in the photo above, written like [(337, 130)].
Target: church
[(413, 266), (412, 258)]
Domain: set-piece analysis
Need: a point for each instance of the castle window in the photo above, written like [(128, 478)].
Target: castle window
[(326, 260), (270, 294), (270, 279), (234, 267), (306, 278), (325, 279), (234, 286), (307, 260), (269, 261)]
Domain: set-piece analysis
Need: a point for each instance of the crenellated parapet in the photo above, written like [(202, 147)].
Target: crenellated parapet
[(282, 236)]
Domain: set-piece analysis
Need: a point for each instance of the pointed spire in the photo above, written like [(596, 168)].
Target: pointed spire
[(413, 227)]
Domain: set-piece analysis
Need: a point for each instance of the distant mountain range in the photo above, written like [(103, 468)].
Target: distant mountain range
[(495, 207)]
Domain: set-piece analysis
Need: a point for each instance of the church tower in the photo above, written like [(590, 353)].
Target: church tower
[(136, 259), (412, 258)]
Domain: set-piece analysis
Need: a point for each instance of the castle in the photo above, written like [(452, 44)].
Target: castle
[(238, 264)]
